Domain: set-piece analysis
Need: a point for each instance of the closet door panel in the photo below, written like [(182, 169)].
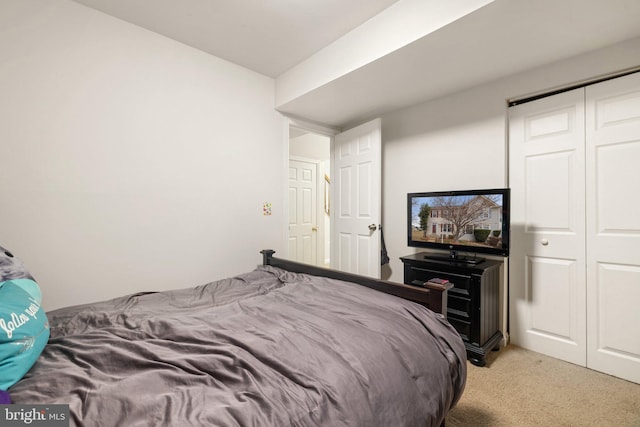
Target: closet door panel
[(613, 226), (547, 264), (615, 282)]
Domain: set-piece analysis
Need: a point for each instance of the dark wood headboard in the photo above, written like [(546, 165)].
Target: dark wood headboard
[(432, 296)]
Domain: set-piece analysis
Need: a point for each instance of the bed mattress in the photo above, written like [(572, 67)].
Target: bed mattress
[(265, 348)]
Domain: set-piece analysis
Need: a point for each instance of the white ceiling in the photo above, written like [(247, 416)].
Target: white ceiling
[(271, 36), (267, 36)]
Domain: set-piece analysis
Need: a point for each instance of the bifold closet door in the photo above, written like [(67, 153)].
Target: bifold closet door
[(613, 226), (574, 173), (547, 289)]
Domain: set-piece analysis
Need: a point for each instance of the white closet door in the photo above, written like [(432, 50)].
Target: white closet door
[(547, 289), (613, 226)]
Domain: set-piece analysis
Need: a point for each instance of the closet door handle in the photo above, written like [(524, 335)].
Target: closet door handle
[(544, 242)]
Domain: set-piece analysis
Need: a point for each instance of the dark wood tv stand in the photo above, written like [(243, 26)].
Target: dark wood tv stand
[(473, 302)]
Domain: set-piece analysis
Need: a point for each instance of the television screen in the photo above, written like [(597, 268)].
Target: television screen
[(471, 221)]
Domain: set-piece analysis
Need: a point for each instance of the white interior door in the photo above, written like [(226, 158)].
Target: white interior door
[(356, 200), (547, 258), (613, 226), (303, 211)]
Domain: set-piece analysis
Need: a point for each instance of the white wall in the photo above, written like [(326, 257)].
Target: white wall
[(460, 141), (129, 161), (311, 146)]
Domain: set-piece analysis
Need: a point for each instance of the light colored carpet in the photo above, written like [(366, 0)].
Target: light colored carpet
[(523, 388)]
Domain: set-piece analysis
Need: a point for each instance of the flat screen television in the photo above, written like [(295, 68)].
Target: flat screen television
[(474, 221)]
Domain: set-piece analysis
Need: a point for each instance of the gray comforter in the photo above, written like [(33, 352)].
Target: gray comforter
[(266, 348)]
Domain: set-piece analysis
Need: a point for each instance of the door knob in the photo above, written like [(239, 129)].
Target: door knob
[(544, 242), (314, 228), (372, 227)]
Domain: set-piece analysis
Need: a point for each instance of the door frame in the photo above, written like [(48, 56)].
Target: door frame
[(312, 128)]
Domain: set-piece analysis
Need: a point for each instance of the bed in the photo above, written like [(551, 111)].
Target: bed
[(282, 345)]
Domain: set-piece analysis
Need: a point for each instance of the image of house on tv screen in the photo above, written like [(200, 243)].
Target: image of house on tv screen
[(473, 220)]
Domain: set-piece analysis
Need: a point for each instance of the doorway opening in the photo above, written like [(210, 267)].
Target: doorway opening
[(309, 224)]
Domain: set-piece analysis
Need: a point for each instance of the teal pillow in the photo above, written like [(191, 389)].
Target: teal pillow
[(24, 329)]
